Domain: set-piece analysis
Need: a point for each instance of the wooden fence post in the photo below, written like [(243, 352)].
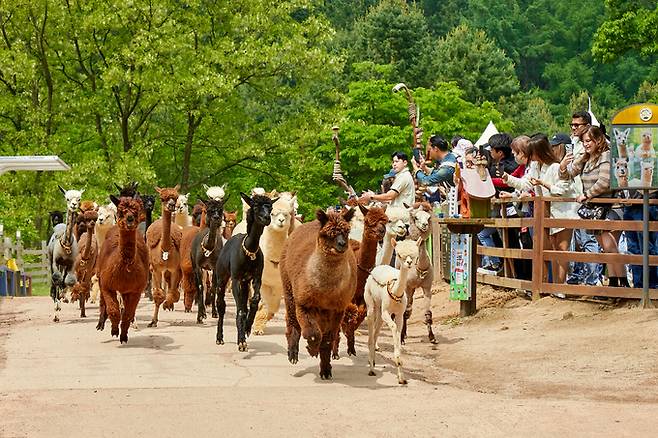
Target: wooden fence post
[(538, 248)]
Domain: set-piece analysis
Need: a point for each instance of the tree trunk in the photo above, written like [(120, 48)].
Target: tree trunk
[(192, 124)]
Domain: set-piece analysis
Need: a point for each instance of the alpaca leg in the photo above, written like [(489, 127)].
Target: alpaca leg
[(372, 337), (293, 330), (83, 298), (240, 296), (427, 291), (201, 307), (112, 308), (94, 289), (397, 344), (189, 290), (310, 331), (407, 314), (102, 313), (173, 294), (253, 303), (158, 296), (360, 316), (327, 342), (54, 294), (131, 300), (221, 307), (265, 312)]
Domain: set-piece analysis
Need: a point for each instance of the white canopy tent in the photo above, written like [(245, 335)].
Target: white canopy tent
[(45, 162), (486, 135)]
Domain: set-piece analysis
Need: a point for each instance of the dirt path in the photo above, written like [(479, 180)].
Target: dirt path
[(482, 379)]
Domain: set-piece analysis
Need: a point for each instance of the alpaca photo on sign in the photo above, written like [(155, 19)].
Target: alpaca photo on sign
[(621, 137), (621, 171)]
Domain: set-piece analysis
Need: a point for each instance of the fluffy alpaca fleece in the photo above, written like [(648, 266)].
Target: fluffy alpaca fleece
[(85, 262), (397, 227), (386, 299), (215, 192), (107, 217), (422, 275), (318, 272), (374, 229), (182, 216), (80, 222), (163, 241), (271, 243), (123, 268)]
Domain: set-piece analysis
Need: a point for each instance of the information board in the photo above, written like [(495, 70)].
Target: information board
[(460, 267)]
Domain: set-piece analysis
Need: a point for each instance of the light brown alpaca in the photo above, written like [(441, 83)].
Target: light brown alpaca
[(122, 267), (230, 221), (374, 229), (187, 272), (318, 272), (85, 262), (80, 223), (163, 241)]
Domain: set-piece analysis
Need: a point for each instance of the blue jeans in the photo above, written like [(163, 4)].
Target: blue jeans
[(486, 238), (634, 244), (585, 273)]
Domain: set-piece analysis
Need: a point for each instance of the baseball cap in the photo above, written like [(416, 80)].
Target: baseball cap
[(560, 138)]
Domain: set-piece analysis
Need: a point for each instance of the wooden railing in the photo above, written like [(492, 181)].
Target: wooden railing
[(540, 223)]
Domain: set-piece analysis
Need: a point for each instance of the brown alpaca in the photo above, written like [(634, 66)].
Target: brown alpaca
[(85, 262), (80, 224), (230, 220), (122, 267), (318, 272), (163, 241), (374, 229), (187, 271)]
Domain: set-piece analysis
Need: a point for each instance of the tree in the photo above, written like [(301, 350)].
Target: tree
[(470, 59), (630, 25)]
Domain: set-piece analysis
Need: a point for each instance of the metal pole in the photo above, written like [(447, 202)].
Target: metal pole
[(646, 300)]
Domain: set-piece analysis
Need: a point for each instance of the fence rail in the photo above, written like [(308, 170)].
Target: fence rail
[(541, 253), (38, 271)]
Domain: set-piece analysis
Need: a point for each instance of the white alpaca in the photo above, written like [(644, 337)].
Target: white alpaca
[(107, 217), (271, 243), (422, 275), (397, 226), (622, 137), (386, 299), (215, 192), (181, 214)]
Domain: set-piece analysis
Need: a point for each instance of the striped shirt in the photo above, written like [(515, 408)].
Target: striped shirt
[(594, 174)]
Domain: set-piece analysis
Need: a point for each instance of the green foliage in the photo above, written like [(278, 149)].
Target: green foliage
[(481, 69)]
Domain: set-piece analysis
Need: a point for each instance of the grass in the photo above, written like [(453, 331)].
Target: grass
[(40, 289)]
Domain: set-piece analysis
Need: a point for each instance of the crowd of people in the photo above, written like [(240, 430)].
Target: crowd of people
[(573, 166)]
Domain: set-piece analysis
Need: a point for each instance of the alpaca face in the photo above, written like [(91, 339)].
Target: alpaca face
[(106, 216), (181, 204), (282, 211), (398, 221), (168, 198), (262, 209), (230, 220), (333, 237), (406, 252), (621, 136), (214, 212), (129, 213), (89, 218), (88, 206), (149, 202), (375, 221), (72, 198), (421, 219), (621, 168)]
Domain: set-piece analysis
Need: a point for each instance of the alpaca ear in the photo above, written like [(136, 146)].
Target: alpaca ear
[(137, 197), (158, 189), (187, 196), (114, 200), (224, 199), (274, 200), (348, 214), (61, 189), (363, 208), (247, 199), (406, 205), (419, 242), (321, 216), (177, 187), (393, 242), (117, 186)]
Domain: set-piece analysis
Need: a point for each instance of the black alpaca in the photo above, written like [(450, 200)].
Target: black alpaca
[(206, 246), (241, 260), (149, 205), (127, 191)]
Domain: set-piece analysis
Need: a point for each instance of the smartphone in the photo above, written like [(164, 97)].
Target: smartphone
[(568, 148), (417, 155)]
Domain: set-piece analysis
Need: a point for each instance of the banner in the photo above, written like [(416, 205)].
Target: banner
[(460, 267)]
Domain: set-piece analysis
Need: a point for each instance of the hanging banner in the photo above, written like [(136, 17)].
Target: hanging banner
[(634, 147), (460, 267)]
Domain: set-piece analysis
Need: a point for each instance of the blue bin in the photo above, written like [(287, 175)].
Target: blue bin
[(4, 292)]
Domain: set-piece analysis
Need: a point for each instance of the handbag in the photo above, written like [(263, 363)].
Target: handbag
[(591, 211)]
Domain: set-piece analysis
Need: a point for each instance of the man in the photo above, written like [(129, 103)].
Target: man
[(402, 191), (444, 164), (587, 273)]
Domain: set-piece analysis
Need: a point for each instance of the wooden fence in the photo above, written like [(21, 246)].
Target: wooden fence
[(541, 254), (37, 270)]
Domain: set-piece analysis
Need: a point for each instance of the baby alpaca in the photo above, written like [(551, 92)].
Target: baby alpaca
[(386, 298)]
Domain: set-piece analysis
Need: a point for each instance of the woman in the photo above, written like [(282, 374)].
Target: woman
[(544, 178), (594, 170)]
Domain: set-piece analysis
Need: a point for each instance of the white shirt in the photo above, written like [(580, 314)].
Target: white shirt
[(404, 185)]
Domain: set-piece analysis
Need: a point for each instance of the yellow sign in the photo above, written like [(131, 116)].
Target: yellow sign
[(639, 114)]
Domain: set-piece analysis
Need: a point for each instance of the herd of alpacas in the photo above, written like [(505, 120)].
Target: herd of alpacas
[(348, 265)]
